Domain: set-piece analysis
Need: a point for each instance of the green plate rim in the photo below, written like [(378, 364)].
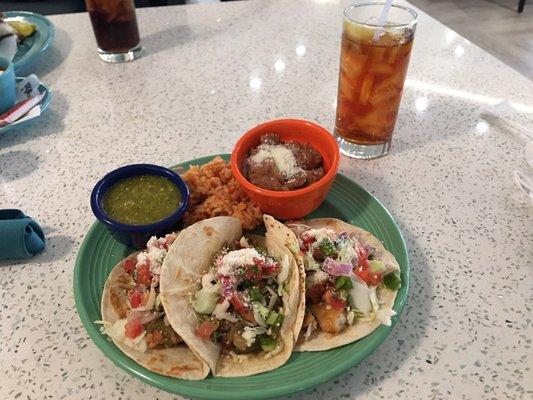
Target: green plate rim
[(203, 390)]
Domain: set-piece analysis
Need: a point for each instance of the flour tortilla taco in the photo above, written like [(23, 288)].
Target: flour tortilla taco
[(134, 318), (236, 301), (351, 280)]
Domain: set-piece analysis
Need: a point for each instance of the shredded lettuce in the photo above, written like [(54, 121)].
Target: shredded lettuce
[(250, 333), (309, 263), (260, 313), (373, 298), (220, 312), (350, 317), (384, 316), (359, 296)]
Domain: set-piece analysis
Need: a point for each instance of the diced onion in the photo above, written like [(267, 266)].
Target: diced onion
[(335, 268), (226, 287), (143, 317)]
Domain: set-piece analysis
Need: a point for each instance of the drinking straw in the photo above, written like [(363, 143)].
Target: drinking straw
[(382, 20)]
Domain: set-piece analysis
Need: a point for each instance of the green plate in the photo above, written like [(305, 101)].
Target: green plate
[(348, 201), (30, 48)]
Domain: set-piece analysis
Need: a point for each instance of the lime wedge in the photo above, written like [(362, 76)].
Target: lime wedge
[(24, 29)]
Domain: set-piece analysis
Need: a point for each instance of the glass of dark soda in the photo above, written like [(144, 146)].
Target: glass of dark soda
[(115, 28)]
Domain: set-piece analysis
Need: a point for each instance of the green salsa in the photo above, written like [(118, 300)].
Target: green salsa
[(141, 200)]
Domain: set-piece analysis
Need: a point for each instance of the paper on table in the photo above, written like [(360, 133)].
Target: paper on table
[(502, 115), (28, 87), (34, 112), (21, 109), (27, 102)]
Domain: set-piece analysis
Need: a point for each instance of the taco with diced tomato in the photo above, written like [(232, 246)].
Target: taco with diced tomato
[(237, 301), (351, 280), (134, 318)]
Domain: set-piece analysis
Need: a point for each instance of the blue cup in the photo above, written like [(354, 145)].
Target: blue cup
[(7, 85)]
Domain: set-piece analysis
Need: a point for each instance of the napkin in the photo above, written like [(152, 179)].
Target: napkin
[(20, 235), (503, 115)]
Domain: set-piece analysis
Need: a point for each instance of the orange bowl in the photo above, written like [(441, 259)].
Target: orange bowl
[(295, 203)]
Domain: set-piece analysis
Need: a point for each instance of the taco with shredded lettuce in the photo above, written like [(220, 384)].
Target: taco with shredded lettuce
[(134, 318), (351, 280), (237, 301)]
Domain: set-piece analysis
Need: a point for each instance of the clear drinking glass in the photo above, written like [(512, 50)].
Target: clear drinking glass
[(115, 28), (373, 65)]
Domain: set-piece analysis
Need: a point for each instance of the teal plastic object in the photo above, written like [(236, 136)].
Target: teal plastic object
[(7, 85)]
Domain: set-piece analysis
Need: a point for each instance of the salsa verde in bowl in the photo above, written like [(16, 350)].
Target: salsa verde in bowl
[(138, 201)]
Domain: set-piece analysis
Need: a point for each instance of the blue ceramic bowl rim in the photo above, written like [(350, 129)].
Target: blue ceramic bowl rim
[(134, 170)]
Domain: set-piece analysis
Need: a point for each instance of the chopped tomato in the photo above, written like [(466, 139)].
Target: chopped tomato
[(307, 241), (144, 298), (318, 255), (266, 267), (241, 309), (134, 298), (332, 301), (362, 256), (144, 276), (368, 276), (154, 339), (249, 272), (206, 329), (271, 269), (129, 265), (133, 328), (316, 292)]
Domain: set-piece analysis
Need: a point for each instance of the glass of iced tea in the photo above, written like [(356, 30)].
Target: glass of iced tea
[(373, 64), (115, 28)]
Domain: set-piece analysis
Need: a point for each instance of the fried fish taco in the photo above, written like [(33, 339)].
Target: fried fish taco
[(134, 318), (236, 301), (351, 280)]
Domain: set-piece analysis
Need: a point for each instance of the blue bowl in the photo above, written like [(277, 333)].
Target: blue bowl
[(136, 236)]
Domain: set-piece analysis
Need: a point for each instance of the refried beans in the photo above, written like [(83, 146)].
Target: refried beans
[(282, 166)]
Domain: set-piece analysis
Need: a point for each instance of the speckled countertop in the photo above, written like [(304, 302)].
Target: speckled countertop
[(208, 74)]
